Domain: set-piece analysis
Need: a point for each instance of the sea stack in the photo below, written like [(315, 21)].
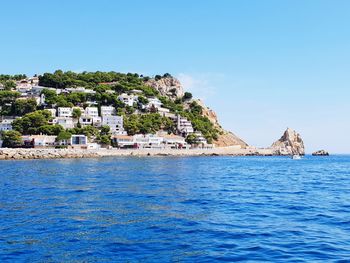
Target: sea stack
[(290, 143), (320, 153)]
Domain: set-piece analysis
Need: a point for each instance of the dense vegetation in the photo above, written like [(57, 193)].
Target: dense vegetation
[(147, 123)]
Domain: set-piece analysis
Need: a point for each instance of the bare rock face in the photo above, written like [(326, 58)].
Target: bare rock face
[(172, 88), (289, 144), (168, 86), (320, 153), (226, 138)]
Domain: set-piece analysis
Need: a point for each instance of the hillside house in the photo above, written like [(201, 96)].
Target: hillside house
[(184, 126), (64, 112), (91, 111), (128, 100), (6, 125), (115, 123), (107, 111)]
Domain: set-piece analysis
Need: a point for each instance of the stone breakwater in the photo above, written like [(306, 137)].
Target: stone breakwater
[(19, 153)]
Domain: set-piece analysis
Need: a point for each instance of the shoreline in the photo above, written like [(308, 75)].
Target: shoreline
[(50, 153)]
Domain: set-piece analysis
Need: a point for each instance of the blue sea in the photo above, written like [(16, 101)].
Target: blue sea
[(188, 209)]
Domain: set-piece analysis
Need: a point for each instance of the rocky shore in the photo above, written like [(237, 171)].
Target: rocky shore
[(20, 153), (289, 144)]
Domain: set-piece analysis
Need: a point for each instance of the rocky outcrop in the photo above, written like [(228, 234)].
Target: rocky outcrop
[(226, 138), (167, 86), (320, 153), (289, 144)]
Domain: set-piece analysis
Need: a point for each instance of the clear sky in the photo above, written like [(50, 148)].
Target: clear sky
[(262, 66)]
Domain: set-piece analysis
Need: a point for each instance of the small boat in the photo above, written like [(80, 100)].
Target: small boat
[(296, 157)]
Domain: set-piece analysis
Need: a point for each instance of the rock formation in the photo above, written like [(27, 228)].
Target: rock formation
[(289, 144), (226, 138), (320, 153), (167, 86), (172, 88)]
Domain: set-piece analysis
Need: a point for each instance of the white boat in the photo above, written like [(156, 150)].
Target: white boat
[(296, 157)]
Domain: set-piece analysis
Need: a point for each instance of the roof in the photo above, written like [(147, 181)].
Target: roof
[(123, 137), (172, 136)]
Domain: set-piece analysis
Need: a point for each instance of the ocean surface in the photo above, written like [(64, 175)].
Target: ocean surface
[(185, 209)]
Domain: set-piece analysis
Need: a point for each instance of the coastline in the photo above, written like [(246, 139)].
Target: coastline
[(50, 153)]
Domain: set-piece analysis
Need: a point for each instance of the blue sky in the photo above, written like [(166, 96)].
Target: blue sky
[(261, 65)]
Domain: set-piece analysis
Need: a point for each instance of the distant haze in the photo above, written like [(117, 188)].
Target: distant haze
[(262, 66)]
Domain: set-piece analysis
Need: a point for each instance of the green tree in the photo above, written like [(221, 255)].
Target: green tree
[(187, 96), (191, 139), (76, 113), (7, 98), (51, 129), (167, 75), (63, 136), (11, 139), (105, 130), (143, 100), (50, 96), (22, 107), (104, 139), (31, 122), (9, 85)]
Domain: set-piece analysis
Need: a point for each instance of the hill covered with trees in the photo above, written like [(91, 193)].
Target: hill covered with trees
[(86, 89)]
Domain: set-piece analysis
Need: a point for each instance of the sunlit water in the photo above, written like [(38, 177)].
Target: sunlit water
[(198, 209)]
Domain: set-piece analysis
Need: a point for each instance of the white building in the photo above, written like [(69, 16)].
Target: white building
[(36, 90), (80, 89), (23, 87), (91, 111), (65, 112), (78, 140), (154, 102), (115, 123), (41, 140), (148, 140), (124, 141), (128, 99), (174, 141), (184, 126), (34, 81), (139, 141), (163, 111), (107, 110), (6, 125), (40, 99), (86, 120), (200, 139), (65, 122)]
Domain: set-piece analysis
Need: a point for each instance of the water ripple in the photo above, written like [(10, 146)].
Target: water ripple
[(196, 209)]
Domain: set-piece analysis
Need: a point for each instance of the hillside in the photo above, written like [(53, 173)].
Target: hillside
[(143, 105)]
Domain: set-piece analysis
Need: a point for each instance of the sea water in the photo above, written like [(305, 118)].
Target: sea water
[(189, 209)]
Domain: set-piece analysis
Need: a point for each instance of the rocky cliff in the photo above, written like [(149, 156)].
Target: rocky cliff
[(226, 138), (289, 144), (168, 86), (172, 88)]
